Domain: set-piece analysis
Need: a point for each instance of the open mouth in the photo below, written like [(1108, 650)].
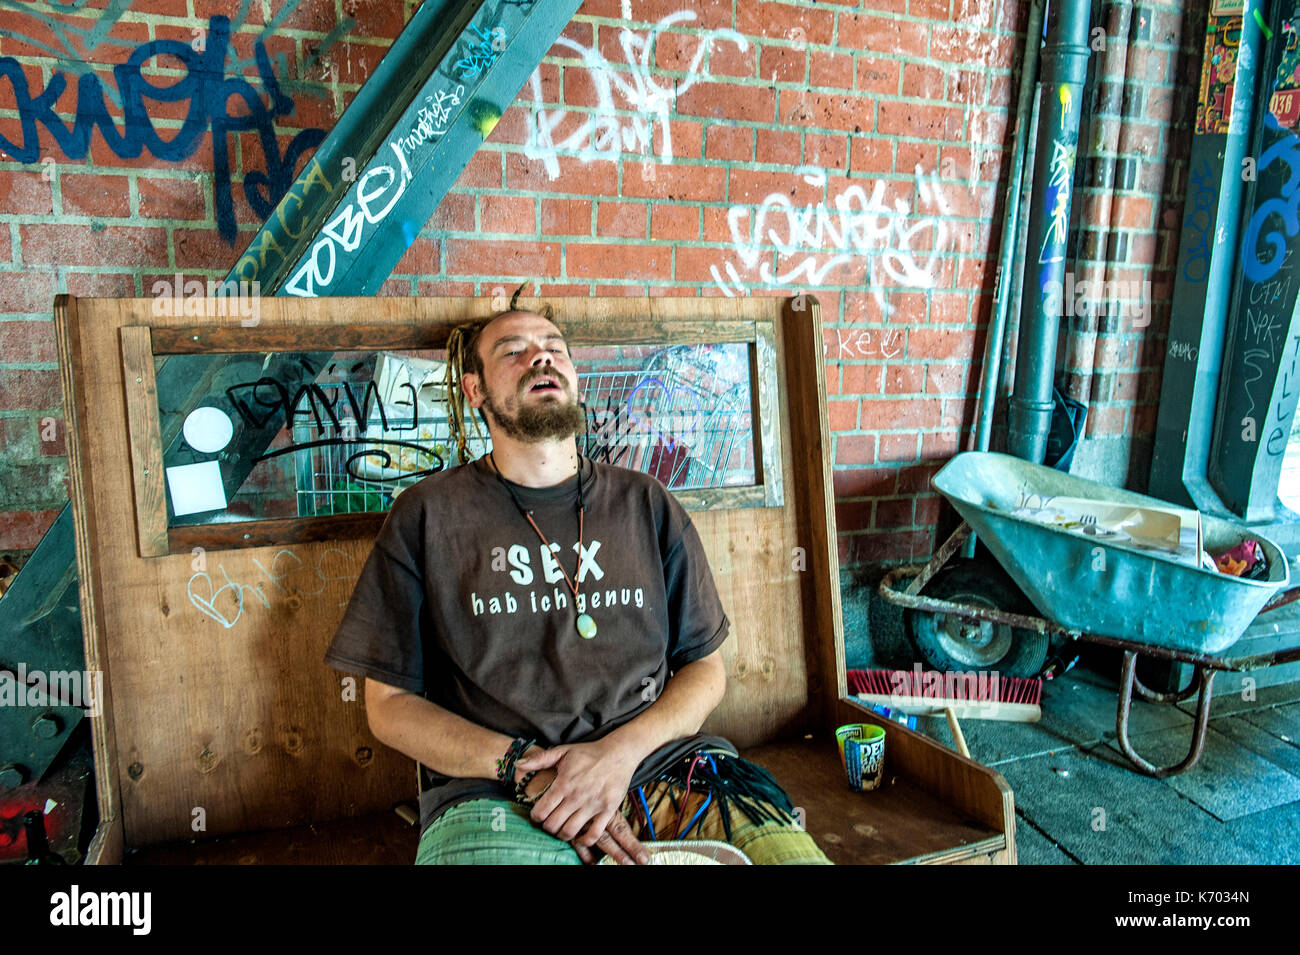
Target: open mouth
[(545, 384)]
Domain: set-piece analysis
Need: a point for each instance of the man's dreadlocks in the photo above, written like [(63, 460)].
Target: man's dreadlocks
[(463, 358)]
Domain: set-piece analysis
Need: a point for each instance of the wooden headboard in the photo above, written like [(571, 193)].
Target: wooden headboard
[(225, 714)]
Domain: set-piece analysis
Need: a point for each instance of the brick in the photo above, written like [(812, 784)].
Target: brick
[(943, 444), (898, 447), (28, 291), (729, 142), (678, 182), (785, 21), (455, 213), (516, 214), (23, 530), (483, 171), (694, 264), (944, 344), (871, 154), (621, 219), (566, 217), (381, 20), (506, 258), (708, 14), (904, 379), (674, 222), (858, 379), (828, 110), (930, 9), (1132, 212), (965, 86), (675, 52), (883, 35), (85, 245), (597, 260), (842, 415), (876, 75), (911, 155), (579, 178), (27, 342), (726, 58), (910, 413), (852, 515), (728, 101), (863, 482), (945, 379), (679, 138), (927, 510), (826, 151), (442, 287), (420, 258), (26, 389), (170, 198), (893, 513), (777, 146), (928, 121), (101, 284), (950, 307), (854, 449), (833, 70), (923, 81), (916, 479), (26, 193), (783, 64), (203, 249)]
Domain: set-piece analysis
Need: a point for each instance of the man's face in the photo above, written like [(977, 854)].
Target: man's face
[(529, 387)]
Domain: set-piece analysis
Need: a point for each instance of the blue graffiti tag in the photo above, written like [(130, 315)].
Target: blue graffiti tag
[(208, 91), (1198, 221), (1260, 265)]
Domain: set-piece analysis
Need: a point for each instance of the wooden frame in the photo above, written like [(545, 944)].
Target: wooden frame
[(215, 696), (140, 344)]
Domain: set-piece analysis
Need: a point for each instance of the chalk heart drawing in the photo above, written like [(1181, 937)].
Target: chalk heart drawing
[(229, 615), (609, 130), (853, 227), (657, 394)]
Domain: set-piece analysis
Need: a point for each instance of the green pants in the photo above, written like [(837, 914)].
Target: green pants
[(499, 832)]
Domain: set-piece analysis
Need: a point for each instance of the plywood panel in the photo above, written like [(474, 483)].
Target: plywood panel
[(222, 707)]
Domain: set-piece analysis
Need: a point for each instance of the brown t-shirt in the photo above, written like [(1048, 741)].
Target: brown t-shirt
[(461, 602)]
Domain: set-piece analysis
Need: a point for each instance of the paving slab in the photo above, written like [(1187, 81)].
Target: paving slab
[(1267, 739), (1232, 695), (1103, 814), (1282, 722), (1230, 780), (1034, 848)]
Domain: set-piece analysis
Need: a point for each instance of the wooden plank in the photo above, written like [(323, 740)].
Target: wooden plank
[(815, 501), (898, 823), (145, 441), (767, 449), (284, 532), (86, 532), (981, 792), (578, 332), (106, 844)]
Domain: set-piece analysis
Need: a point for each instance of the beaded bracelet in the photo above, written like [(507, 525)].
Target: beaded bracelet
[(506, 764)]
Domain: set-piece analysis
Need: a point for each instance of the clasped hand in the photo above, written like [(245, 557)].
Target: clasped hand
[(584, 787)]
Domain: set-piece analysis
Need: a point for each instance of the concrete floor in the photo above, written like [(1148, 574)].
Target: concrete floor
[(1079, 801)]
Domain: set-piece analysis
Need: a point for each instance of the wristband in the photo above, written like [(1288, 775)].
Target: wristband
[(506, 764)]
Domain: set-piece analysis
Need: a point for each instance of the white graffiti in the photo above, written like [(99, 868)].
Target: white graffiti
[(630, 106), (432, 118), (295, 580), (344, 231), (896, 247), (229, 615), (859, 343)]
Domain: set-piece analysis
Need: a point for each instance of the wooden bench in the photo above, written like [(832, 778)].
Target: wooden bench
[(229, 741)]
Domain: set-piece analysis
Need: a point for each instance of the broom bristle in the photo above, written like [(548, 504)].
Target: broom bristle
[(992, 688)]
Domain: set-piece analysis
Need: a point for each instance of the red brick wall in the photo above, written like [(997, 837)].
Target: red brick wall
[(742, 148)]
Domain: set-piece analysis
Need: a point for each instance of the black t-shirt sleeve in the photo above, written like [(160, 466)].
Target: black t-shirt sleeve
[(696, 621), (380, 633)]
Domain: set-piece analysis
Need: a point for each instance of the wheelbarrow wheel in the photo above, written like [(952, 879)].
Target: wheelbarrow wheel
[(948, 643)]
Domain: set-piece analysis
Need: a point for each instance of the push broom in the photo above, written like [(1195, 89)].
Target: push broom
[(983, 696)]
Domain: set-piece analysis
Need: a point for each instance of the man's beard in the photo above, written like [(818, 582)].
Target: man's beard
[(540, 422)]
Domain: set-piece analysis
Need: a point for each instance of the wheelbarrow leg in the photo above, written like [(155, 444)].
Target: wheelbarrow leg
[(1203, 680)]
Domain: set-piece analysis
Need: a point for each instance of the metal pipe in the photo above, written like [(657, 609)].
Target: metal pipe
[(1065, 69), (1010, 229)]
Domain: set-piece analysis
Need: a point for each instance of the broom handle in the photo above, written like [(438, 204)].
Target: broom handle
[(956, 731)]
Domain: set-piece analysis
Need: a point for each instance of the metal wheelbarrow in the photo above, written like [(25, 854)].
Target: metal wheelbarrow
[(1090, 588)]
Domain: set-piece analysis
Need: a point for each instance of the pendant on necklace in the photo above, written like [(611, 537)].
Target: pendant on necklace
[(586, 626)]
